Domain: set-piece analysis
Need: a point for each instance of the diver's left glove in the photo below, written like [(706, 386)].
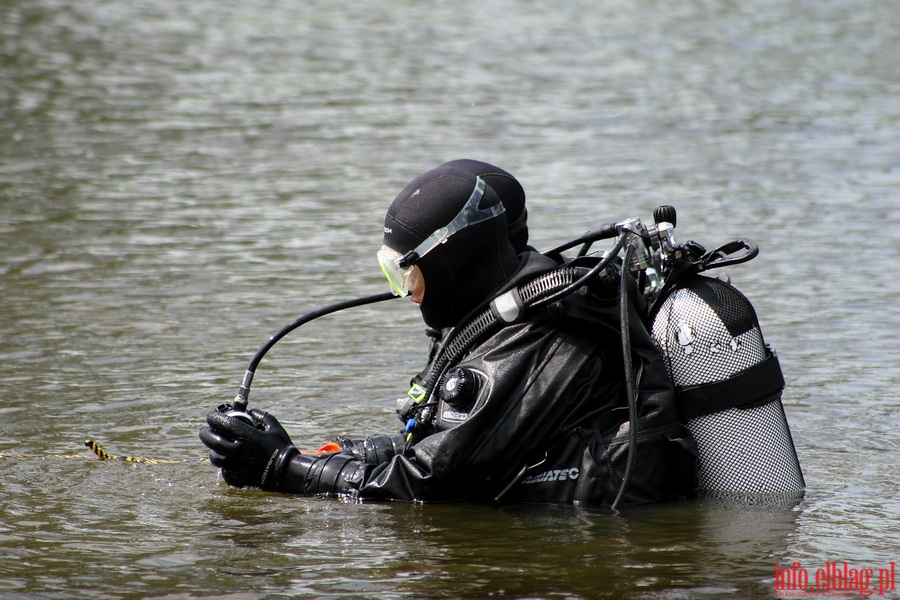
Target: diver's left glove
[(248, 456)]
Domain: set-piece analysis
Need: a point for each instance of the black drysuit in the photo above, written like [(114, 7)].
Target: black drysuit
[(548, 422)]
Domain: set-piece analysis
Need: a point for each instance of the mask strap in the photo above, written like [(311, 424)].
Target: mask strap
[(468, 216)]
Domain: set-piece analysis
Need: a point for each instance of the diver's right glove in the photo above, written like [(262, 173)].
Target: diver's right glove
[(249, 456), (264, 457)]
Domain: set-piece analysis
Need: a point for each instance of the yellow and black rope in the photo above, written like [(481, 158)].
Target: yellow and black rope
[(99, 452), (104, 455)]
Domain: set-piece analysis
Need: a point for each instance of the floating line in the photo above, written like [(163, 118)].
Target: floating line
[(100, 453), (104, 455)]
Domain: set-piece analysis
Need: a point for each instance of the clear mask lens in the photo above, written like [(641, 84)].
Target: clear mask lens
[(398, 277)]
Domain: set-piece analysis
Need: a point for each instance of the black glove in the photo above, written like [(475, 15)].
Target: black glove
[(248, 456)]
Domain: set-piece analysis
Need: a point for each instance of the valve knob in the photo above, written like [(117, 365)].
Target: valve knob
[(665, 214)]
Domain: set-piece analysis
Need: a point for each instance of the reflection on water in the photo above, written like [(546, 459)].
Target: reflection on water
[(179, 180)]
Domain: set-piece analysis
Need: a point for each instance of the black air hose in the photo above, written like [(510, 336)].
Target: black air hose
[(624, 303), (240, 401)]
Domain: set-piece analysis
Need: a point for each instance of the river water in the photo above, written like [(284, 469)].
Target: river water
[(178, 180)]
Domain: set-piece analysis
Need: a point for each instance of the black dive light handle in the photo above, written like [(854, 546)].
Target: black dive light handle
[(238, 408)]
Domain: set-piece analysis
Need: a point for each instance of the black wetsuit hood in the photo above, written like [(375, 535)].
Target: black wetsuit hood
[(470, 264)]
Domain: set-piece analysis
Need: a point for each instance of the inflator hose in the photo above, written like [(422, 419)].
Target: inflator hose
[(240, 401), (593, 272)]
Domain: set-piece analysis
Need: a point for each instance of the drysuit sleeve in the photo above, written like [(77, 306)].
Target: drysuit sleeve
[(375, 449), (335, 473)]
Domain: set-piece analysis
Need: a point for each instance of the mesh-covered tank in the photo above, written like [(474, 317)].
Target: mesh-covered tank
[(729, 386)]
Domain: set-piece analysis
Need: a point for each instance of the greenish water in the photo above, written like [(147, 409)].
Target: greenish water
[(179, 180)]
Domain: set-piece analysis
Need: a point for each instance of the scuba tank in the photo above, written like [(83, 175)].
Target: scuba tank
[(728, 381), (728, 384)]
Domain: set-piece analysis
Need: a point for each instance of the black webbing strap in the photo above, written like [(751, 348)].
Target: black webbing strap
[(751, 387)]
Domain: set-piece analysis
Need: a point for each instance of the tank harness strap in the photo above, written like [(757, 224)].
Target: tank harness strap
[(751, 387)]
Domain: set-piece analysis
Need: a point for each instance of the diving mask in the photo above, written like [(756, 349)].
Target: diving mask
[(398, 277), (397, 268)]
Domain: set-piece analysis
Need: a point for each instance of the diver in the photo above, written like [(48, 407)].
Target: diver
[(530, 409)]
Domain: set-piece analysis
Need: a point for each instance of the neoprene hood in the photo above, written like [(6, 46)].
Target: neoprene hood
[(473, 262)]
